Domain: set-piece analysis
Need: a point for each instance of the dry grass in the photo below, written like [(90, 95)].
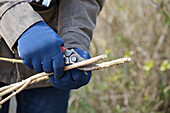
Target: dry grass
[(139, 29)]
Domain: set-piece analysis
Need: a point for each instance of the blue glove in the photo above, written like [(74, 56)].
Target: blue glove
[(40, 49), (72, 79)]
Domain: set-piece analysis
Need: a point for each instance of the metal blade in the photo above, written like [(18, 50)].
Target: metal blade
[(78, 58)]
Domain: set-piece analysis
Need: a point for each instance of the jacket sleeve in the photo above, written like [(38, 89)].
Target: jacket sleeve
[(15, 17), (77, 19)]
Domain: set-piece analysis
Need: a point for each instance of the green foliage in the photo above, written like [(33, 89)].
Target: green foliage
[(167, 19), (148, 65), (164, 92), (117, 109), (165, 65), (129, 54)]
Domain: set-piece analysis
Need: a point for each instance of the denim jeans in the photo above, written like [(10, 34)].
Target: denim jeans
[(40, 100)]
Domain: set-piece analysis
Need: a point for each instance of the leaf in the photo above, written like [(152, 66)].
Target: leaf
[(129, 54), (165, 65), (148, 65)]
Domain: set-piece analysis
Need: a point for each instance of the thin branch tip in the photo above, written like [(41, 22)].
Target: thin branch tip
[(128, 59)]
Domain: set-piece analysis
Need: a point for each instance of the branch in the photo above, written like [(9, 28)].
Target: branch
[(16, 92), (11, 60), (44, 76), (79, 64), (112, 63)]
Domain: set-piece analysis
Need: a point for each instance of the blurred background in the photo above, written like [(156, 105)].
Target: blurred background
[(139, 29)]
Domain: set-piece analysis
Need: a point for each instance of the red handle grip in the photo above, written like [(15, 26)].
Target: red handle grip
[(63, 48)]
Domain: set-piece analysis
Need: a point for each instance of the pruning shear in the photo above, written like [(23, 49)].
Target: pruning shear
[(71, 57)]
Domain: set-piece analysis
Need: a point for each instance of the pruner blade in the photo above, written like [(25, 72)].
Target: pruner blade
[(71, 57)]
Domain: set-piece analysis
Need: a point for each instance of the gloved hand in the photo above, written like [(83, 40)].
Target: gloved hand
[(72, 79), (40, 49)]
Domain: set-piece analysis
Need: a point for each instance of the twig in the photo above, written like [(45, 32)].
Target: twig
[(112, 63), (12, 88), (79, 64), (11, 60), (39, 79), (44, 76), (9, 86), (16, 92), (40, 76), (5, 87)]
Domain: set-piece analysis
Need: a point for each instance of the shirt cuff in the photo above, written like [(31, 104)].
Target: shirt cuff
[(75, 40)]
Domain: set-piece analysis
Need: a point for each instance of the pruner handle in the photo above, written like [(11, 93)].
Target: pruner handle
[(63, 49)]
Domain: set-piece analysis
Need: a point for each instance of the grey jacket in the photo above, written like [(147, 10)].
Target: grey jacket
[(73, 20)]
